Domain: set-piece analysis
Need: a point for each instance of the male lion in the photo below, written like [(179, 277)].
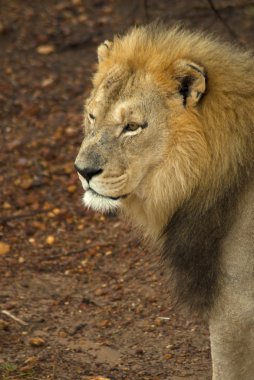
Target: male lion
[(169, 141)]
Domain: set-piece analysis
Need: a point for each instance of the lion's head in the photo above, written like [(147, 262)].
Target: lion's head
[(148, 136)]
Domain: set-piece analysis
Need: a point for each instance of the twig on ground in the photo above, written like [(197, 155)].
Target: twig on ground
[(28, 215), (145, 6), (76, 43), (164, 318), (218, 15), (69, 253), (8, 314), (77, 328)]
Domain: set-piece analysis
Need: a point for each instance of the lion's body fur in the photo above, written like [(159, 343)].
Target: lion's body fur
[(186, 182)]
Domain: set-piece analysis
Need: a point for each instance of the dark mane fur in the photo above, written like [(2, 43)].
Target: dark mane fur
[(192, 250)]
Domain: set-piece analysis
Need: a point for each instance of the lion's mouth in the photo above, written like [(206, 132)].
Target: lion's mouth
[(106, 196)]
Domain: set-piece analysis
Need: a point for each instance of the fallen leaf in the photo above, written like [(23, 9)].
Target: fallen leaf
[(56, 211), (58, 134), (24, 183), (47, 82), (97, 378), (6, 205), (29, 364), (37, 342), (72, 188), (71, 131), (76, 2), (47, 206), (45, 49), (50, 239), (104, 323), (4, 248), (31, 359), (69, 168)]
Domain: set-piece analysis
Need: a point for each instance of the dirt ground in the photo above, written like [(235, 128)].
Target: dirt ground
[(90, 299)]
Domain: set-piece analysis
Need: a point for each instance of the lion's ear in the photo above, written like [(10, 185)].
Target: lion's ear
[(103, 50), (192, 81)]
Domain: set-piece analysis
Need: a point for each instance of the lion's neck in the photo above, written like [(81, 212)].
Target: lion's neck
[(152, 212), (149, 216)]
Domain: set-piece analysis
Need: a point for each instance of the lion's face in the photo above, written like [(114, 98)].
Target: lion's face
[(142, 133), (121, 144)]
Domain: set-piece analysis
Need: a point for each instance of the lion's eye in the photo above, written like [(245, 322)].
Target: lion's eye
[(131, 127)]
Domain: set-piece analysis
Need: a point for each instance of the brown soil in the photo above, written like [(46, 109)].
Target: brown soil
[(92, 300)]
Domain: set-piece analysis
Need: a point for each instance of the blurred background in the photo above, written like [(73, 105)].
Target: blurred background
[(79, 294)]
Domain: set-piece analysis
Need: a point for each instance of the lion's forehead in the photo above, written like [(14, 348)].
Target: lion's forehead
[(120, 93), (120, 112), (110, 85), (126, 106)]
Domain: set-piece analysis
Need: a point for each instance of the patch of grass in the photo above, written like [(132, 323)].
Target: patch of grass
[(9, 371), (250, 10), (8, 367)]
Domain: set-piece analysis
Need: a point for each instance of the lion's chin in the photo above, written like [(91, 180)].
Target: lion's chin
[(100, 203)]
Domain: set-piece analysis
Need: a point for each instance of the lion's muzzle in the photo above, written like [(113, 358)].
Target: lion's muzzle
[(87, 173)]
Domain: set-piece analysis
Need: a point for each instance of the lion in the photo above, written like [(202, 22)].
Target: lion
[(169, 143)]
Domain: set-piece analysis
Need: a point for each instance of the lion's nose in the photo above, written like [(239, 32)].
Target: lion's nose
[(88, 173)]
